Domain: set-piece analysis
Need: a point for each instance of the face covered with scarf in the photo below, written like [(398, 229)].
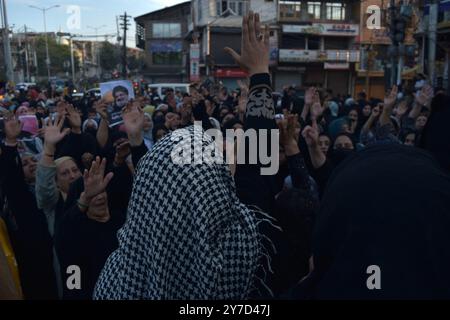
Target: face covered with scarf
[(187, 235)]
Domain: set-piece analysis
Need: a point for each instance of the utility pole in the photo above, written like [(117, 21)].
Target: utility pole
[(97, 48), (7, 44), (27, 57), (393, 14), (44, 10), (432, 40), (72, 60), (125, 24)]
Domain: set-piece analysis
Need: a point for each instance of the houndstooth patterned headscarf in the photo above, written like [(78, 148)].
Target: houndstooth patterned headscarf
[(187, 235)]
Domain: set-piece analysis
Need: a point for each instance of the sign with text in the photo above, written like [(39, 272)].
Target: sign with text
[(294, 55), (195, 62), (325, 29)]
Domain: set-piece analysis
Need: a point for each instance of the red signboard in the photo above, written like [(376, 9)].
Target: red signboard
[(230, 73)]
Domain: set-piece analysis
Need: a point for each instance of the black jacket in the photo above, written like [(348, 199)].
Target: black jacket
[(28, 230)]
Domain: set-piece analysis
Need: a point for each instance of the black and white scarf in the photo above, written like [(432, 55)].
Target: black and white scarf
[(187, 235)]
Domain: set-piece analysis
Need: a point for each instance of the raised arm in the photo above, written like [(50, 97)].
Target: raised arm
[(103, 129), (254, 58), (133, 118), (389, 102), (311, 135), (422, 99), (297, 167), (252, 188), (47, 193)]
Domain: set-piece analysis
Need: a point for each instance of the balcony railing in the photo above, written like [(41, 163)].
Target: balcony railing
[(296, 56)]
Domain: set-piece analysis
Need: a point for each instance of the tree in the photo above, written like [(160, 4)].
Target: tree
[(108, 56), (59, 56)]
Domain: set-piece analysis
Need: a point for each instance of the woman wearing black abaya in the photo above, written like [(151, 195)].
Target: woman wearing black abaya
[(386, 206)]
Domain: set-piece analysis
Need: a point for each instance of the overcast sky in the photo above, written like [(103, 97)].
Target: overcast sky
[(92, 13)]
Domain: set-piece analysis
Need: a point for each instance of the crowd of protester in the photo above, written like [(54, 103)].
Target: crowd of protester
[(360, 182)]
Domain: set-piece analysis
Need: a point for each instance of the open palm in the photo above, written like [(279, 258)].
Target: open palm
[(133, 118), (391, 98), (95, 181), (53, 133)]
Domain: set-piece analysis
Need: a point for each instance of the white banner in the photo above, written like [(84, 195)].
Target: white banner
[(326, 29)]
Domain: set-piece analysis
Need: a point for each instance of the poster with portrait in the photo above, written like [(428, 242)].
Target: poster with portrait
[(117, 94)]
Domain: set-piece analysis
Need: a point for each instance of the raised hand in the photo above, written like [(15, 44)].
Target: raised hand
[(95, 181), (133, 118), (287, 129), (402, 109), (391, 98), (425, 96), (309, 96), (101, 106), (53, 133), (13, 128), (311, 135), (98, 209), (74, 118), (255, 46), (317, 110), (122, 152)]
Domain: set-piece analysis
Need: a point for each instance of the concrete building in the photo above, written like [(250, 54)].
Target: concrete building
[(217, 24), (161, 34), (443, 38), (375, 70), (318, 44)]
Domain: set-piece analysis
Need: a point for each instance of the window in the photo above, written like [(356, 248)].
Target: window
[(167, 58), (313, 43), (290, 9), (166, 30), (314, 9), (335, 11), (199, 7), (293, 41), (337, 43), (237, 7), (166, 52), (140, 36), (240, 9)]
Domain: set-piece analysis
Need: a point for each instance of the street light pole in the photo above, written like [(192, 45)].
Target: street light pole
[(44, 10), (97, 48), (72, 60), (6, 43)]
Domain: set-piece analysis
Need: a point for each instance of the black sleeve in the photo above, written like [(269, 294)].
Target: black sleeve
[(119, 193), (322, 174), (137, 153), (252, 187), (75, 145), (298, 171), (14, 186)]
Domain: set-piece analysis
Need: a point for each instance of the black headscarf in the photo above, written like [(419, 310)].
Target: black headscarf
[(389, 206), (436, 135)]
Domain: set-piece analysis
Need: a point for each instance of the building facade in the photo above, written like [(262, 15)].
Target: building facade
[(318, 44), (217, 24), (443, 41), (161, 34)]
